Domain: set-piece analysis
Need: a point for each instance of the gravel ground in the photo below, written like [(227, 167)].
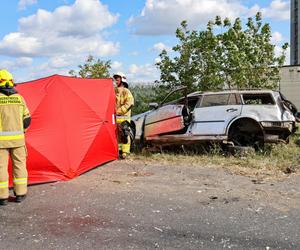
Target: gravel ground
[(137, 205)]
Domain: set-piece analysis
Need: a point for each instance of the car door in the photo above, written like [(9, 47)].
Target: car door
[(214, 112), (166, 119)]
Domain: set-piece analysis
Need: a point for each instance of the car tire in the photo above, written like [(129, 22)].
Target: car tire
[(246, 133)]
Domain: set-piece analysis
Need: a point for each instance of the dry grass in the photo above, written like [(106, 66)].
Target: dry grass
[(273, 160)]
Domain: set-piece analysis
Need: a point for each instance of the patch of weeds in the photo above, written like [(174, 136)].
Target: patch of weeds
[(283, 157)]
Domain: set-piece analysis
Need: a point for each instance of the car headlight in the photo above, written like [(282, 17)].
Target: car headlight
[(267, 124)]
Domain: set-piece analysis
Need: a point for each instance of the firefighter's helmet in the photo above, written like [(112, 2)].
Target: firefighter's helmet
[(123, 78), (122, 75), (6, 79)]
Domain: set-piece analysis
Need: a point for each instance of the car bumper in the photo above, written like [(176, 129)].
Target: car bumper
[(280, 132)]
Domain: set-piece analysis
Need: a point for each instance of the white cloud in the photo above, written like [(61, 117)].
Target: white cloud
[(160, 17), (164, 16), (116, 66), (63, 61), (158, 47), (42, 70), (133, 69), (276, 37), (145, 73), (24, 61), (278, 52), (74, 29), (157, 60), (253, 10), (22, 4), (12, 65), (278, 9)]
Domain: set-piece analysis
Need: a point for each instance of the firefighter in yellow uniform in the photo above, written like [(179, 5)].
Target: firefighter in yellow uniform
[(124, 103), (14, 119)]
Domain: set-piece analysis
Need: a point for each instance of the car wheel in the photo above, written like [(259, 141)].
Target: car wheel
[(246, 133)]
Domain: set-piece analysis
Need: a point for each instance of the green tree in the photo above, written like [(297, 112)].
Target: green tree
[(143, 95), (93, 68), (225, 55)]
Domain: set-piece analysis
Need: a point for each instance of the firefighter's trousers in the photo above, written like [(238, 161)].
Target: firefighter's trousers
[(18, 158), (124, 148)]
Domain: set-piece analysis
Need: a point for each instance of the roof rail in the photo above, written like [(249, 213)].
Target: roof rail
[(248, 89)]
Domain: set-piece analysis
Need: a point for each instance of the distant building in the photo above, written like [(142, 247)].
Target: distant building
[(290, 74), (295, 32), (290, 83)]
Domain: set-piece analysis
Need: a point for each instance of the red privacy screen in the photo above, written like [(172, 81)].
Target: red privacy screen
[(72, 128)]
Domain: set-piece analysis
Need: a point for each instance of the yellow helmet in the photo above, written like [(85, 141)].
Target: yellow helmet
[(6, 79)]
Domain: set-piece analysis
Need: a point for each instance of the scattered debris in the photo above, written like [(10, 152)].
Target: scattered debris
[(158, 229), (289, 170), (231, 200), (257, 181), (140, 174)]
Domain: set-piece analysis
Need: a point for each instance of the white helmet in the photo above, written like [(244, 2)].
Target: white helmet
[(122, 75)]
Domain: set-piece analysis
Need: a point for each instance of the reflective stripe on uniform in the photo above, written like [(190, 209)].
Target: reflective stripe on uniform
[(11, 137), (4, 184), (126, 148), (11, 133), (20, 181), (121, 119)]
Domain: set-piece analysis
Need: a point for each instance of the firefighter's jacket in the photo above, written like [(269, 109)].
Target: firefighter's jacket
[(124, 102), (14, 119)]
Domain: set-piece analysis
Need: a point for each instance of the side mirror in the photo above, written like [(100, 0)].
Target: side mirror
[(153, 105)]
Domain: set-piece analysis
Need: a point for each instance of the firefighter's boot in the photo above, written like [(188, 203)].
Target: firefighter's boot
[(20, 198), (3, 202)]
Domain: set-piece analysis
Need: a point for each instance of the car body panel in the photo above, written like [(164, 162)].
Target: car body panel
[(166, 119), (139, 121), (213, 120)]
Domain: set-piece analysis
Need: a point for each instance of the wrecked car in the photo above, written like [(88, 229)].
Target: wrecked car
[(235, 117)]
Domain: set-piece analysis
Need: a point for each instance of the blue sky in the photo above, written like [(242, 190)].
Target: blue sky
[(41, 37)]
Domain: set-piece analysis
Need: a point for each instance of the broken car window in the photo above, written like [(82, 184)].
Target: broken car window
[(258, 99), (215, 100)]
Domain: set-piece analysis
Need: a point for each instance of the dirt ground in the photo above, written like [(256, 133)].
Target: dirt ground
[(134, 204)]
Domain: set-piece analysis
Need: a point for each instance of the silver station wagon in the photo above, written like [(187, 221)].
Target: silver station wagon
[(235, 117)]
